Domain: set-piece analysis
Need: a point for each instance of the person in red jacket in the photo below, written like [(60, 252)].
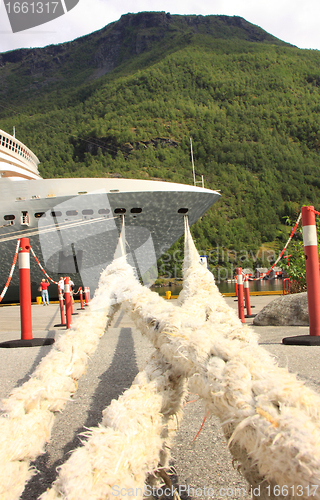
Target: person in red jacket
[(44, 291)]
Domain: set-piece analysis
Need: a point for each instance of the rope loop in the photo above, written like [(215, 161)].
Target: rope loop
[(11, 271)]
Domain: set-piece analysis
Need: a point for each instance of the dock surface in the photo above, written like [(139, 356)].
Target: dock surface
[(121, 353)]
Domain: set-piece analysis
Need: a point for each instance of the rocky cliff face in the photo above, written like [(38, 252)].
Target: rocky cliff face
[(118, 42)]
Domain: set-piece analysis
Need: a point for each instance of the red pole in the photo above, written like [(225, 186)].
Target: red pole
[(25, 289), (86, 295), (310, 242), (67, 298), (25, 302), (63, 318), (247, 297), (236, 287), (240, 294), (81, 298), (89, 298)]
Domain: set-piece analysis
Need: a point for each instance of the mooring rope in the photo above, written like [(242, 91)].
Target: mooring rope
[(41, 267), (25, 425), (283, 250), (131, 443), (270, 419), (6, 286)]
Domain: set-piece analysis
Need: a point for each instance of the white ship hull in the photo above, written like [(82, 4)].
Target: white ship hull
[(74, 224)]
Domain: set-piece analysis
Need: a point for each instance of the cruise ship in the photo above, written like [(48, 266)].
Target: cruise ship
[(73, 225)]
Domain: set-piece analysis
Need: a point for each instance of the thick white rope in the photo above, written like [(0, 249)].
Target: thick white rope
[(271, 418), (131, 443), (25, 425), (268, 415)]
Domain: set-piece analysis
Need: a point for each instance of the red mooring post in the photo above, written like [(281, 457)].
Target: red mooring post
[(81, 298), (27, 339), (310, 242), (247, 299), (72, 301), (61, 303), (67, 299), (86, 298), (25, 289), (240, 294)]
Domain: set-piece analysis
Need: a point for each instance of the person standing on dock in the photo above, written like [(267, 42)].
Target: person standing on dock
[(44, 291)]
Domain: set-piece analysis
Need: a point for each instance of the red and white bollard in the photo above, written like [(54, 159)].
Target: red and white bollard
[(240, 294), (27, 339), (247, 299), (67, 299), (81, 298), (63, 318), (25, 289), (86, 295), (310, 242)]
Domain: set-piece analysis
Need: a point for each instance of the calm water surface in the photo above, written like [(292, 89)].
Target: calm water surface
[(229, 287)]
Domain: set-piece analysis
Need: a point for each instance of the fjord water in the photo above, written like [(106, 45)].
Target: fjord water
[(229, 286)]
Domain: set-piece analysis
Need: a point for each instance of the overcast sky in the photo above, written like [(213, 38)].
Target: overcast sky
[(293, 21)]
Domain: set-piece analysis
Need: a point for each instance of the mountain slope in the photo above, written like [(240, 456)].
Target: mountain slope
[(249, 101), (117, 45)]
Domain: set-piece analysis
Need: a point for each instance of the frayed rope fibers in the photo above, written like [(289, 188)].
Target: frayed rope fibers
[(270, 418), (28, 413), (131, 443)]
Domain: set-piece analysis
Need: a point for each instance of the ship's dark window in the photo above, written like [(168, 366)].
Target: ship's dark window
[(120, 211), (39, 214), (9, 217), (136, 210), (72, 212), (56, 214), (183, 210), (87, 212), (103, 211), (24, 221)]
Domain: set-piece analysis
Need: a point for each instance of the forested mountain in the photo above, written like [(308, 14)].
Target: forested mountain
[(124, 101)]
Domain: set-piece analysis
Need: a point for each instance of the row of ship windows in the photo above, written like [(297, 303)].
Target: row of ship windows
[(10, 144), (57, 213), (101, 211)]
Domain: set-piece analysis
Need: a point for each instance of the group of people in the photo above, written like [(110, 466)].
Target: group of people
[(44, 289)]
